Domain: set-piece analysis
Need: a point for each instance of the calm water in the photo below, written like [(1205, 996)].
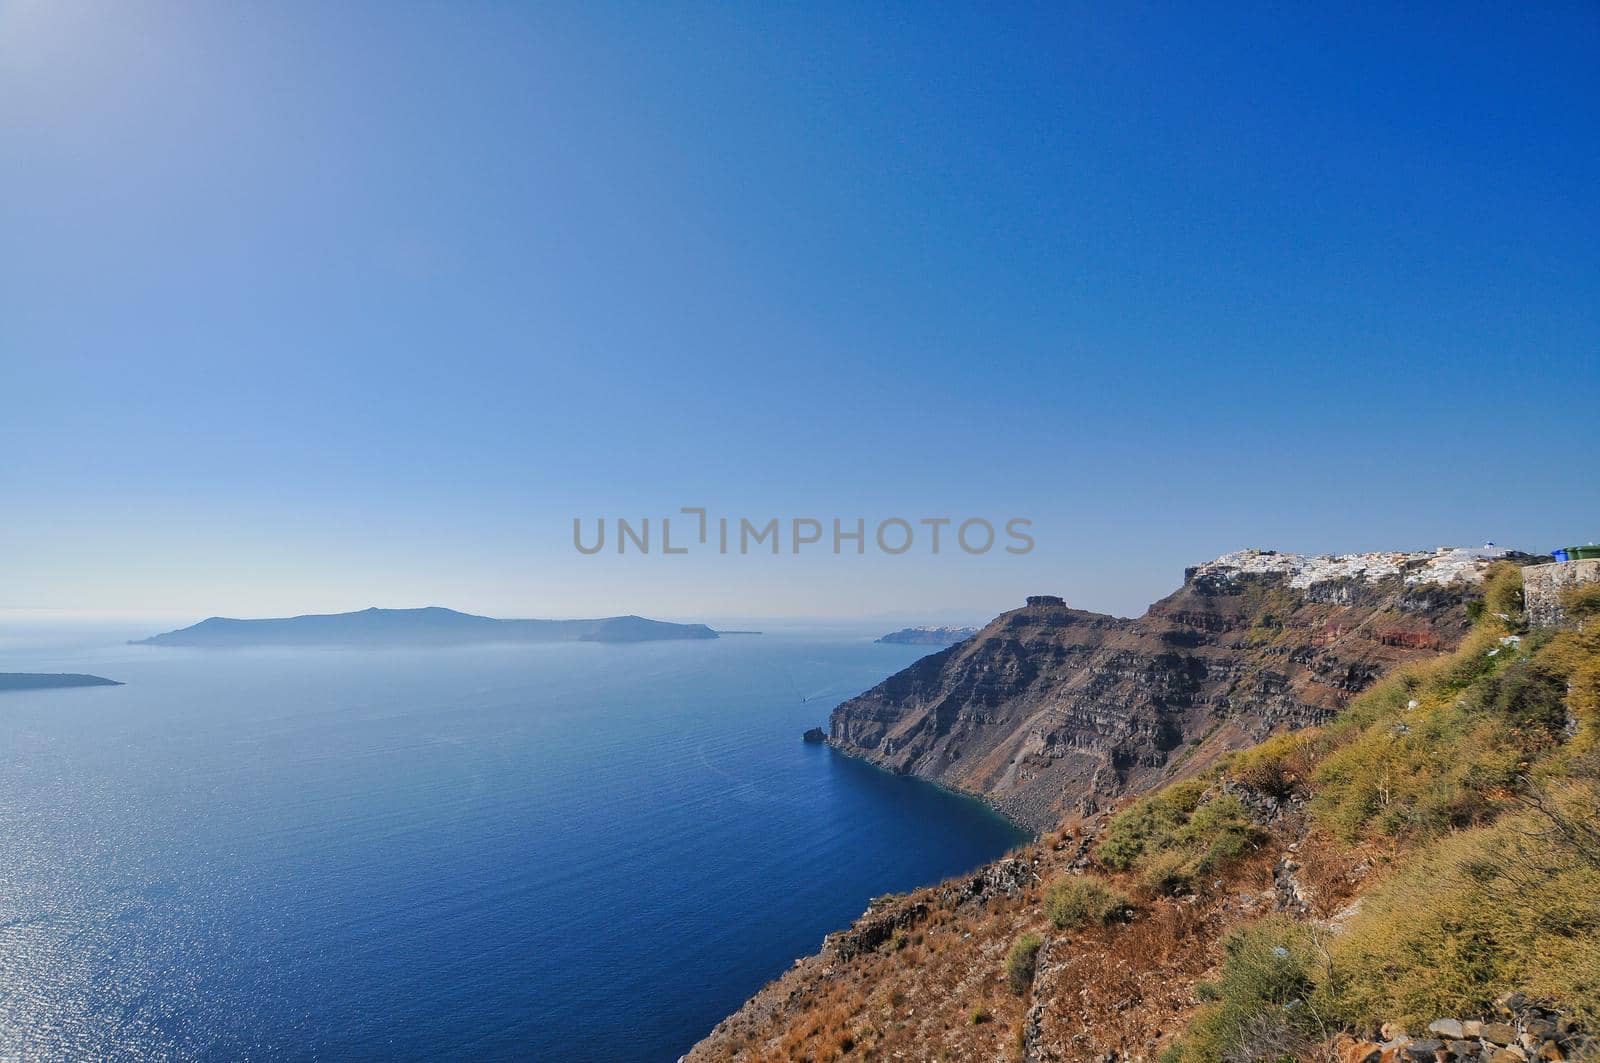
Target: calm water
[(549, 852)]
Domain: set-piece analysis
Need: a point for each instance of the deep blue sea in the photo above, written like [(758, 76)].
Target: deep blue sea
[(563, 852)]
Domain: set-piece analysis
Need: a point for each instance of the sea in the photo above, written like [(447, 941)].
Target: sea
[(521, 852)]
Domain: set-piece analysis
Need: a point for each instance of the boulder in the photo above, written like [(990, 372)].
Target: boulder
[(1350, 1050), (1446, 1028), (1498, 1033), (1509, 1004), (1539, 1026)]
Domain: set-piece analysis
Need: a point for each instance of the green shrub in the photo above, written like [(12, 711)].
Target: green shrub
[(1021, 962), (1167, 873), (1219, 830), (1263, 1000), (1149, 824), (1082, 900), (1177, 835)]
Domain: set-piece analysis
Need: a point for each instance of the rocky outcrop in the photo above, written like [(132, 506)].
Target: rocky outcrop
[(1006, 878), (1544, 585), (1049, 710), (885, 918), (1519, 1031)]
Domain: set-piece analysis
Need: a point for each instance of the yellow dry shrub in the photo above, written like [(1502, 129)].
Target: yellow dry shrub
[(1509, 906)]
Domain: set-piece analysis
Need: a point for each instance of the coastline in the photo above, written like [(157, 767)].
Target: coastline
[(1031, 835)]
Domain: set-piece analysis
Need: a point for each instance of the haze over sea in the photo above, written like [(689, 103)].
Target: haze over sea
[(569, 851)]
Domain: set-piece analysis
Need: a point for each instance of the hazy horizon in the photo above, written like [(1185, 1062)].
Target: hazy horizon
[(929, 616)]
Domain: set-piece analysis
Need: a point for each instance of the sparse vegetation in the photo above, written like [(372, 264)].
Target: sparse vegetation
[(1514, 902), (1483, 766)]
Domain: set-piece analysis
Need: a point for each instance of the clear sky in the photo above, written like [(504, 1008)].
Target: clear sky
[(313, 306)]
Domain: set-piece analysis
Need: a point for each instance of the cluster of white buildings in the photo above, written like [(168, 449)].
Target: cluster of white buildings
[(1444, 565)]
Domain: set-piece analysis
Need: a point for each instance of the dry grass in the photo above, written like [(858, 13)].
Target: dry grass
[(1124, 982)]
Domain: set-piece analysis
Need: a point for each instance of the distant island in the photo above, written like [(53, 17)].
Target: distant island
[(432, 626), (929, 636), (51, 680)]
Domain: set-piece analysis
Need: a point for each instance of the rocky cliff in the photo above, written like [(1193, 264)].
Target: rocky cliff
[(1050, 710), (1418, 881)]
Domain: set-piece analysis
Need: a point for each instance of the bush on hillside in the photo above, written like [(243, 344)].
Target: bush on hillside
[(1166, 873), (1575, 654), (1218, 831), (1084, 901), (1263, 1000), (1149, 824), (1022, 961), (1502, 591), (1280, 766), (1438, 769), (1179, 834)]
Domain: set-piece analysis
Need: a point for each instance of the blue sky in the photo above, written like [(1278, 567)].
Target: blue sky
[(316, 306)]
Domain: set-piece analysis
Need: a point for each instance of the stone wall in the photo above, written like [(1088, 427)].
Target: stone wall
[(1542, 586)]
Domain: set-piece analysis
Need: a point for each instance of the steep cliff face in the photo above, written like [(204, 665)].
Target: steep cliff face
[(1050, 710)]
